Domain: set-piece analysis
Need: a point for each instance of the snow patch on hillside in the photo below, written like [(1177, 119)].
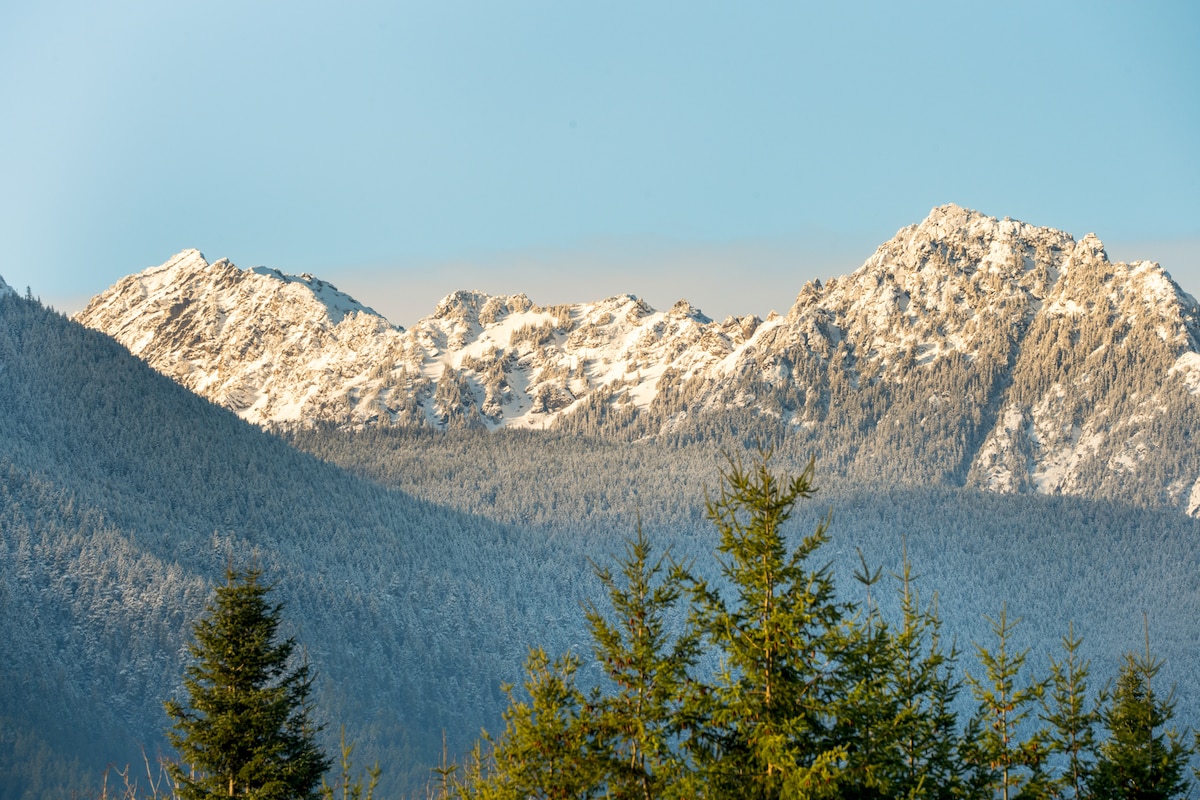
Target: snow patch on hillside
[(1193, 503), (1187, 367), (994, 460)]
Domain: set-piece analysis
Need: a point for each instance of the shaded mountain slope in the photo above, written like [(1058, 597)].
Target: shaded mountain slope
[(124, 497)]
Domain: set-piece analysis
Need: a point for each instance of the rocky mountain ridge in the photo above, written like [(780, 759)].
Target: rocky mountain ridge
[(966, 350)]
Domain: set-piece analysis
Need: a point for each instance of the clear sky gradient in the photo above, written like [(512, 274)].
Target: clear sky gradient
[(722, 152)]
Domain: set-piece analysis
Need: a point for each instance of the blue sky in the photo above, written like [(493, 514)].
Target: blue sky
[(723, 152)]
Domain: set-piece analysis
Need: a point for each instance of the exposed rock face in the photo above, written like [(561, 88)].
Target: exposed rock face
[(269, 346), (966, 350)]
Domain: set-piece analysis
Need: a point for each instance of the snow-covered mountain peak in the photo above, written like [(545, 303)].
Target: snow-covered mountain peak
[(187, 278), (1141, 290), (461, 305), (937, 289), (239, 337), (191, 258), (183, 263), (967, 348), (951, 217), (5, 288)]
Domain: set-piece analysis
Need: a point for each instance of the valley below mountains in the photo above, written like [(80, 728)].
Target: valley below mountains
[(966, 351)]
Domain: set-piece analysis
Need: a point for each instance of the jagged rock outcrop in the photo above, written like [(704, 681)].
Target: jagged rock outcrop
[(967, 350), (280, 349)]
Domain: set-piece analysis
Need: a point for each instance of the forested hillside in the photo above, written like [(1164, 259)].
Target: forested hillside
[(122, 499), (418, 566), (1054, 561)]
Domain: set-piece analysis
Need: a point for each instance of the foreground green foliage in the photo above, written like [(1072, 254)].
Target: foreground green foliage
[(649, 671), (1142, 759), (813, 696), (996, 747)]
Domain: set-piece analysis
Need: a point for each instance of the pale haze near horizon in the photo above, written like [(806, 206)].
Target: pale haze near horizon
[(672, 150)]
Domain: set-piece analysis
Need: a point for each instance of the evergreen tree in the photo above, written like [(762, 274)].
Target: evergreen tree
[(348, 786), (564, 743), (871, 713), (650, 672), (781, 641), (1142, 759), (247, 729), (1072, 732), (548, 749), (1001, 756), (924, 683)]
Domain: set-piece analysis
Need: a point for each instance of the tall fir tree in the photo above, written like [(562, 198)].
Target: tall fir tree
[(549, 747), (924, 683), (247, 729), (1005, 756), (1072, 721), (1143, 757), (868, 724), (781, 640), (644, 716)]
